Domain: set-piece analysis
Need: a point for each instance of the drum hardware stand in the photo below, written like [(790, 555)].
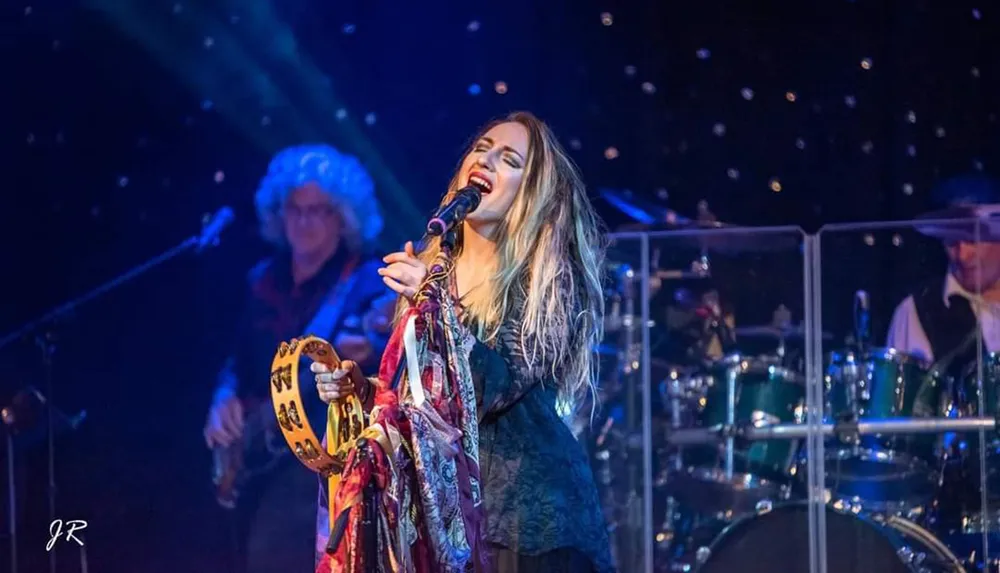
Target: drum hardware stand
[(782, 349), (857, 390), (846, 431), (675, 420), (633, 516), (862, 320), (212, 227), (782, 318), (731, 375), (670, 513), (721, 432)]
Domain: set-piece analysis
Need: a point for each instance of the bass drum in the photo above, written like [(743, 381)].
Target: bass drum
[(778, 540)]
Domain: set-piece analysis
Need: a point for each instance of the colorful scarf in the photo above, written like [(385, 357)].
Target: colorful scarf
[(410, 498)]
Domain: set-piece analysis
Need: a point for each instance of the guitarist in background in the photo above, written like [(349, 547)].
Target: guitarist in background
[(318, 208)]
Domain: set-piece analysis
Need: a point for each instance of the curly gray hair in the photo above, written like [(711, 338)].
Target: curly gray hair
[(342, 177)]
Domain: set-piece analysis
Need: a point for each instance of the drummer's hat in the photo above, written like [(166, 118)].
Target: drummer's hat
[(969, 210)]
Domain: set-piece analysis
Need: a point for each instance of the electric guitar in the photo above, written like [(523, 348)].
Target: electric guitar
[(257, 452)]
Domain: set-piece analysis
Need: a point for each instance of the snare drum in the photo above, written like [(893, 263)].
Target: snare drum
[(765, 393), (777, 539), (882, 473)]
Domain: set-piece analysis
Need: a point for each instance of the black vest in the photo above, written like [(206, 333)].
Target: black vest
[(947, 327)]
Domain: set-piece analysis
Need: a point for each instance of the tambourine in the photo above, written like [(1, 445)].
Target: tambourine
[(345, 417)]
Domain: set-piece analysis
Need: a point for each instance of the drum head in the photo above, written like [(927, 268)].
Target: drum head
[(779, 541)]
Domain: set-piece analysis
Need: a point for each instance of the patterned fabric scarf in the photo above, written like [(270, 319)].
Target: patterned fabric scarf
[(410, 498)]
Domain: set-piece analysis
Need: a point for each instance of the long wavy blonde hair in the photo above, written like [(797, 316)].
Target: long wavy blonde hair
[(550, 252)]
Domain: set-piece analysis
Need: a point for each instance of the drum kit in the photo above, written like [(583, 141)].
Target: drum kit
[(733, 496)]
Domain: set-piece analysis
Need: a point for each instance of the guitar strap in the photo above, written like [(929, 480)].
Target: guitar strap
[(327, 318)]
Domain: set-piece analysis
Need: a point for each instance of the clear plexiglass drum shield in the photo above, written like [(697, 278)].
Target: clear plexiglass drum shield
[(903, 328), (702, 420)]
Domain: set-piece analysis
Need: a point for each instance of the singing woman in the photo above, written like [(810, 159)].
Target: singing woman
[(526, 271)]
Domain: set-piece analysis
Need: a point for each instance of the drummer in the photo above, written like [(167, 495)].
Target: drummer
[(938, 322)]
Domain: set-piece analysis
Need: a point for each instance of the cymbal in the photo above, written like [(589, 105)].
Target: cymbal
[(616, 267), (775, 332), (654, 218), (966, 223), (734, 240)]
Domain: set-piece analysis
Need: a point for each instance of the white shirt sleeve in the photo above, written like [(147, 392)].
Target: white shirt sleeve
[(906, 334)]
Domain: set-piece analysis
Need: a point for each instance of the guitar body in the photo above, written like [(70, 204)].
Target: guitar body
[(258, 452)]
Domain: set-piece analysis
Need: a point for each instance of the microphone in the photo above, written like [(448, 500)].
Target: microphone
[(213, 228), (862, 317), (465, 201)]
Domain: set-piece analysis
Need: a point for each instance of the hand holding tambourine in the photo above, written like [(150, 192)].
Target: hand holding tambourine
[(345, 417), (338, 383)]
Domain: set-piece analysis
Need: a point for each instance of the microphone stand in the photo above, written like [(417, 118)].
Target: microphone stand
[(11, 493), (862, 318), (46, 342)]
